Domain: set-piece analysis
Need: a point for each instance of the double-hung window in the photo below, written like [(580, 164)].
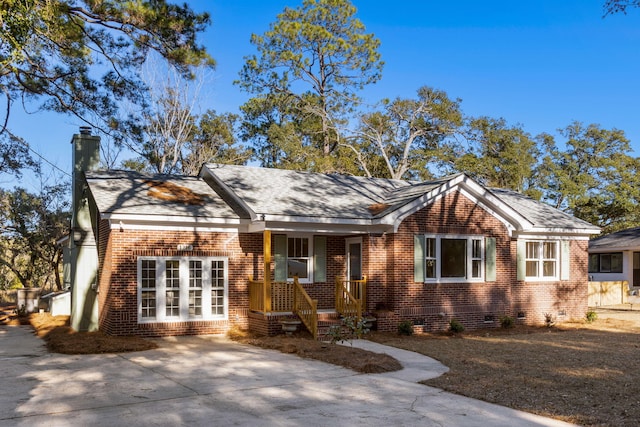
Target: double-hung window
[(542, 259), (450, 258), (301, 256), (182, 288), (298, 258)]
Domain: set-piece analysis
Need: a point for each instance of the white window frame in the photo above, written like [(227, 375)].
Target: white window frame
[(184, 289), (437, 258), (309, 257), (541, 260)]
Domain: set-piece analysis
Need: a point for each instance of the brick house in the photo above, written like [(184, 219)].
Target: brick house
[(171, 255)]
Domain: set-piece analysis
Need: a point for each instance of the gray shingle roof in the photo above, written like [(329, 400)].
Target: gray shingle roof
[(539, 214), (126, 192), (629, 238), (284, 193), (294, 193), (304, 194)]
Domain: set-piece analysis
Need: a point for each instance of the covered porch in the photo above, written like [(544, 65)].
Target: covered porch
[(272, 301)]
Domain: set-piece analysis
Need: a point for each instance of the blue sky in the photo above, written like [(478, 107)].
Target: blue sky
[(540, 64)]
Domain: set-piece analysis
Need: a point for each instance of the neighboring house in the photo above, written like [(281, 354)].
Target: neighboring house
[(616, 257), (170, 255)]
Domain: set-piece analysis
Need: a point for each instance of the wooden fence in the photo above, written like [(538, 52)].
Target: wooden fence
[(608, 293)]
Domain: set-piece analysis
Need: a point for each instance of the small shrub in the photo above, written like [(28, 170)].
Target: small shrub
[(348, 330), (592, 316), (335, 334), (549, 320), (507, 322), (21, 311), (405, 327), (455, 326)]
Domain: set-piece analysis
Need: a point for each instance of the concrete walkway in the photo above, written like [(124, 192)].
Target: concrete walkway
[(204, 381)]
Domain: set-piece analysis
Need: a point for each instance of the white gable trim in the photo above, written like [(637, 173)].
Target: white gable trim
[(207, 174), (474, 192)]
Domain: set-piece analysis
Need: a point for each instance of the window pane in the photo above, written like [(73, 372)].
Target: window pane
[(549, 250), (476, 249), (533, 250), (453, 263), (297, 267), (291, 247), (217, 301), (532, 268), (616, 262), (476, 268), (172, 273), (148, 302), (172, 303), (195, 274), (195, 302), (297, 247), (605, 263), (594, 263), (430, 272), (431, 248), (549, 268), (148, 273)]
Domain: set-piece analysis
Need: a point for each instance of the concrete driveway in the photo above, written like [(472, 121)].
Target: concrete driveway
[(210, 381)]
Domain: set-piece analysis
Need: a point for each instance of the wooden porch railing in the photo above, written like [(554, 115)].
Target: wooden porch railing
[(284, 297), (305, 307), (351, 297)]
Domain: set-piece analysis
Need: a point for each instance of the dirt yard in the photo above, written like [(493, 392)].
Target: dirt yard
[(580, 372)]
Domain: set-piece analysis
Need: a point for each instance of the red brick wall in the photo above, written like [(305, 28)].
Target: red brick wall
[(564, 300), (433, 305), (118, 284), (119, 252)]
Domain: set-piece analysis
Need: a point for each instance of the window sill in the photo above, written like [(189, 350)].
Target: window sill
[(453, 281), (179, 320)]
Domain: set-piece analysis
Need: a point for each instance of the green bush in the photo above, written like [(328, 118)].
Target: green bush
[(405, 327), (507, 322), (592, 316), (455, 326)]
